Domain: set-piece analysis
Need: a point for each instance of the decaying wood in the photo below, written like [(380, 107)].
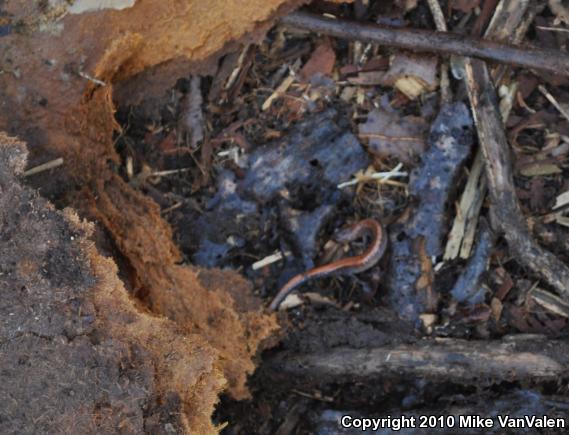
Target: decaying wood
[(554, 61), (455, 361), (550, 302), (468, 285), (418, 240), (508, 20), (461, 236), (509, 24), (506, 209)]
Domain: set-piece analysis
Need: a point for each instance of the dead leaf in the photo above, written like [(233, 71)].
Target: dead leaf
[(168, 144), (395, 136), (413, 74), (321, 61), (527, 83)]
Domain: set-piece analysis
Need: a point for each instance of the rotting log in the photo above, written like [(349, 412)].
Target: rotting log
[(525, 358)]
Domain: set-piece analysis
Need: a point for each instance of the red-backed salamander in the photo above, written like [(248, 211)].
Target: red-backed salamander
[(356, 264)]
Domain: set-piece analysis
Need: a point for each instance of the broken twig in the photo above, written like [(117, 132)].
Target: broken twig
[(507, 212), (376, 176)]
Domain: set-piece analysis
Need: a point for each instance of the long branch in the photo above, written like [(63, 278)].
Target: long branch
[(554, 61), (454, 361)]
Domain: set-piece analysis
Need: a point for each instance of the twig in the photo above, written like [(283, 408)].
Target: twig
[(171, 208), (168, 172), (553, 29), (509, 16), (553, 101), (441, 25), (438, 15), (91, 78), (506, 209), (44, 167), (281, 89), (270, 259), (235, 73), (381, 176), (554, 61)]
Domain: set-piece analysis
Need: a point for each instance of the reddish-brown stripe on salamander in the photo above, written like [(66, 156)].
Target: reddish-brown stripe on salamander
[(349, 265)]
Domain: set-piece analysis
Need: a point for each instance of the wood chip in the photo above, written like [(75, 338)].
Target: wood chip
[(280, 90), (321, 61), (270, 259), (413, 74), (540, 168), (468, 209)]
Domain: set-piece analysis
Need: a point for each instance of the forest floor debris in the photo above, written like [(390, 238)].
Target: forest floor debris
[(213, 184)]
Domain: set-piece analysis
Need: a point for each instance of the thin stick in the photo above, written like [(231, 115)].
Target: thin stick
[(553, 29), (441, 24), (438, 15), (44, 167), (270, 259), (168, 172), (553, 101), (554, 61), (91, 78), (382, 176)]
